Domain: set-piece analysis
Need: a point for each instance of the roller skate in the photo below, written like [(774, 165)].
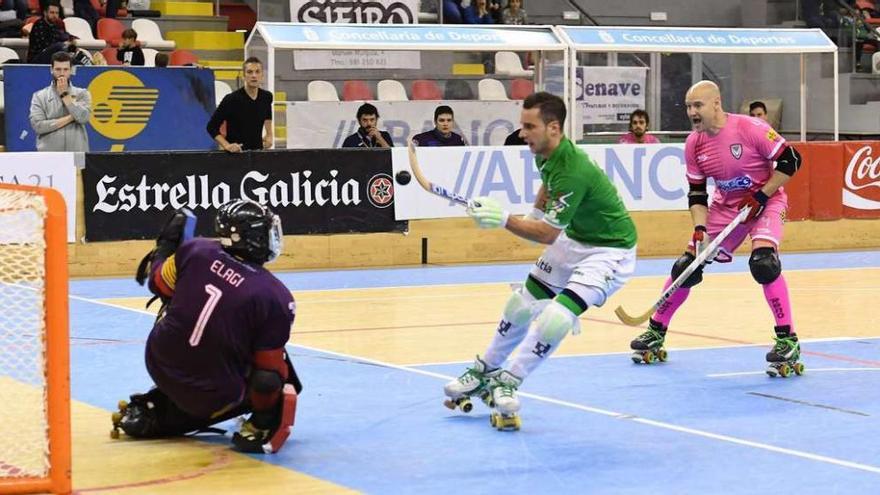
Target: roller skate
[(782, 360), (116, 418), (135, 417), (504, 416), (648, 347), (474, 381)]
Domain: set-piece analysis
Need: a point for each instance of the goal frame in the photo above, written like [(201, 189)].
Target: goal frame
[(57, 348)]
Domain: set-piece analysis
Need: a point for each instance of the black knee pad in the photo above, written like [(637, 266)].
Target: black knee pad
[(265, 381), (681, 264), (765, 265)]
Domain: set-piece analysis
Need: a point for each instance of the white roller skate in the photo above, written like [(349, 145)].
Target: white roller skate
[(474, 381), (503, 388)]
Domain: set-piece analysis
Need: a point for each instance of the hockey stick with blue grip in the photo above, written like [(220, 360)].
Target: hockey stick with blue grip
[(430, 186), (699, 261)]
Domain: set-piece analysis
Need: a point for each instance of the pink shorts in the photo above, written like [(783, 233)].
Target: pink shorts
[(767, 227)]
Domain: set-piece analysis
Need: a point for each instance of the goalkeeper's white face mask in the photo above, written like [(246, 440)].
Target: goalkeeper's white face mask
[(276, 239)]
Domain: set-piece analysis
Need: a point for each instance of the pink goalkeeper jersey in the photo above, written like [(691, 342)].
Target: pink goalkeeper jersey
[(740, 158)]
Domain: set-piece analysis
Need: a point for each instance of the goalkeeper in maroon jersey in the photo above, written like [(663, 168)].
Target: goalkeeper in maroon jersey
[(217, 348)]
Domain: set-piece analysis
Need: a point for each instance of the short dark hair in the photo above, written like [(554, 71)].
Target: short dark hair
[(442, 109), (61, 57), (549, 105), (367, 109), (639, 113), (130, 34), (251, 60), (161, 60), (52, 3), (757, 104)]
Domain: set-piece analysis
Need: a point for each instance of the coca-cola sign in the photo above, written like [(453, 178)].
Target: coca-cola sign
[(861, 178)]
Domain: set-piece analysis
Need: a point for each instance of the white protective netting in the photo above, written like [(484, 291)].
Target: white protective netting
[(24, 443)]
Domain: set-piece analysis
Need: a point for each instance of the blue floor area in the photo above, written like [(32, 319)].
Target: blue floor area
[(397, 437), (470, 274)]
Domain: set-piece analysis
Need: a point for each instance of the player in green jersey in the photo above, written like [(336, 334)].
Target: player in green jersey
[(591, 253)]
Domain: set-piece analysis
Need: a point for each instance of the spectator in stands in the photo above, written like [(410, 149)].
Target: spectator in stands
[(84, 10), (49, 36), (247, 113), (368, 134), (820, 14), (162, 60), (514, 13), (20, 7), (111, 7), (59, 113), (452, 12), (758, 109), (477, 13), (638, 129), (129, 51), (514, 139), (441, 134), (495, 10)]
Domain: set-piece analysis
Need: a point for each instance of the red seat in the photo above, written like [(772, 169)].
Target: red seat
[(424, 89), (182, 57), (102, 10), (356, 91), (110, 30), (520, 88), (109, 54)]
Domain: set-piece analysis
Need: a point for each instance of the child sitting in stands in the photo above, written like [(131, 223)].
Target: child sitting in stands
[(129, 51)]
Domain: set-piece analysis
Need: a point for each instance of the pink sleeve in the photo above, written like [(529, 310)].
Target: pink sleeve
[(694, 173), (763, 138)]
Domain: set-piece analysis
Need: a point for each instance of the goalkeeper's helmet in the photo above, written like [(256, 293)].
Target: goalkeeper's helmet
[(249, 231)]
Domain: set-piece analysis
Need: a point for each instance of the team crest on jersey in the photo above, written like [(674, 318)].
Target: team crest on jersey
[(772, 136), (557, 206), (381, 190), (736, 150)]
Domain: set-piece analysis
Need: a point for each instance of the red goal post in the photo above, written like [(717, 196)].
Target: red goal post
[(35, 443)]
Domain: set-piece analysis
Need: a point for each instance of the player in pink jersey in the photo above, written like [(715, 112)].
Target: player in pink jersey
[(638, 129), (738, 153)]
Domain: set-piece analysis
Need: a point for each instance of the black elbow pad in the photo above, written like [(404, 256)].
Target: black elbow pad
[(698, 195), (789, 161)]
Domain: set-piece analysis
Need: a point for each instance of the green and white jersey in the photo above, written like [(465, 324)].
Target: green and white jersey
[(583, 201)]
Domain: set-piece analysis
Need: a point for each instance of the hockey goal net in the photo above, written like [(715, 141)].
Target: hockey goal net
[(34, 349)]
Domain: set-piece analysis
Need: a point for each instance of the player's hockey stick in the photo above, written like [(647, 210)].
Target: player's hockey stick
[(430, 186), (674, 286)]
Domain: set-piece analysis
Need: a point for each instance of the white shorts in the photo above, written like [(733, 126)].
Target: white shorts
[(569, 263)]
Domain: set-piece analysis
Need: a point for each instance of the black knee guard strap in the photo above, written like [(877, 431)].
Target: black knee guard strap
[(292, 377), (765, 265), (681, 264)]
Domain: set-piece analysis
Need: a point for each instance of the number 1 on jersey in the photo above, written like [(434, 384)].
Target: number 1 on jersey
[(214, 295)]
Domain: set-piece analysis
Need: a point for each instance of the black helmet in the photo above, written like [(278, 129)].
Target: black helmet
[(249, 231)]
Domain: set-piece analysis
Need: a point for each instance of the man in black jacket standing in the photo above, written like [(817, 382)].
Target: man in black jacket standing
[(247, 113)]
